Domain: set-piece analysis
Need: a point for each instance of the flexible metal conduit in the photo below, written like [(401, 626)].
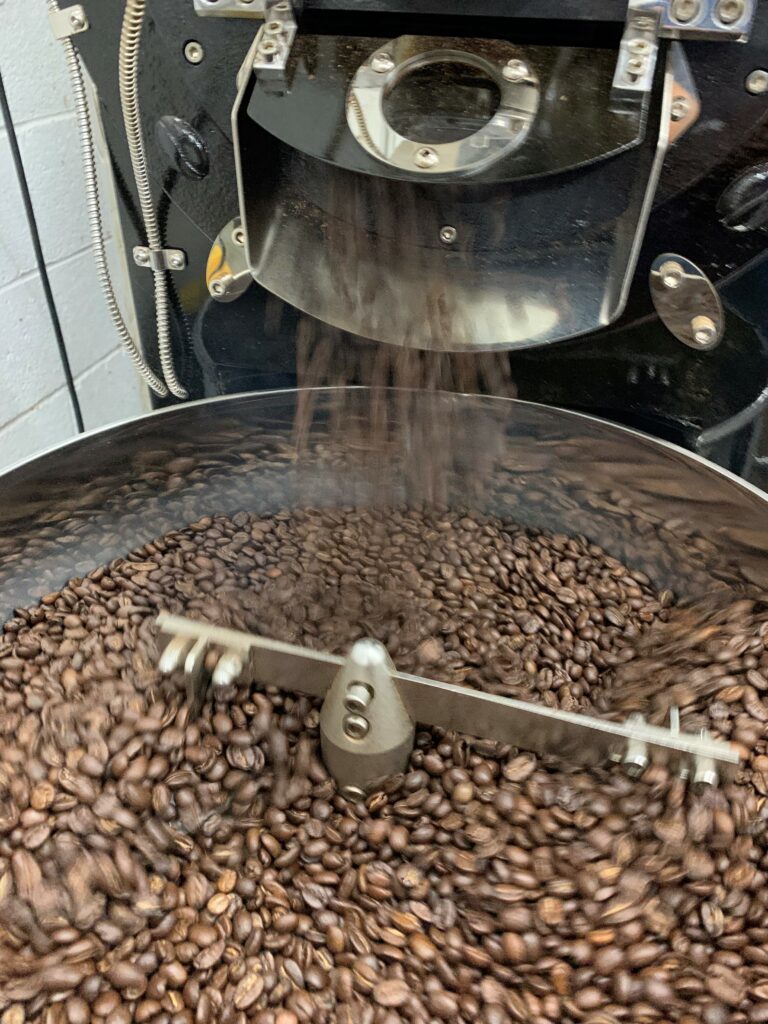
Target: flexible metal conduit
[(97, 232), (130, 45)]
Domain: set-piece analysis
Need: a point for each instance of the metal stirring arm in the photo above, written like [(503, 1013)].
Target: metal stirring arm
[(370, 710)]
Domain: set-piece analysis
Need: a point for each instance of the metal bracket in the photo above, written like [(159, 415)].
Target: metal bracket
[(69, 22), (159, 259), (370, 709), (275, 39), (687, 302), (228, 273), (230, 8), (650, 20)]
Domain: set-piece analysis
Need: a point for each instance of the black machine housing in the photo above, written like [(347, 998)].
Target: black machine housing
[(710, 205)]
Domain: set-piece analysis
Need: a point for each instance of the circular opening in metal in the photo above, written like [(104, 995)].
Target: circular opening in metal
[(441, 101)]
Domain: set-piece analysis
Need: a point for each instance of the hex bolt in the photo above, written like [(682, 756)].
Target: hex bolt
[(194, 52), (757, 82), (685, 10), (672, 274), (356, 727), (515, 71), (448, 234), (704, 330), (729, 11), (382, 63), (358, 698), (426, 157), (680, 108)]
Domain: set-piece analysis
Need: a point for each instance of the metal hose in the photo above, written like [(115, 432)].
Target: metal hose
[(93, 203), (130, 44)]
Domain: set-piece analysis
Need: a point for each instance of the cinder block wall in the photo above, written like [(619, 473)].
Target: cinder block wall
[(35, 408)]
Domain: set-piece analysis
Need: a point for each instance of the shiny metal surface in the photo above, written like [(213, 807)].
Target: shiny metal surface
[(227, 274), (534, 262), (674, 516), (687, 302), (382, 738), (388, 65)]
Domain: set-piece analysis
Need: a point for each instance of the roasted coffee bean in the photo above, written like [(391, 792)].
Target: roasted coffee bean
[(179, 870)]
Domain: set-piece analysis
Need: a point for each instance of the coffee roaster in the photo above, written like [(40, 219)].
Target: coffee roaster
[(578, 185)]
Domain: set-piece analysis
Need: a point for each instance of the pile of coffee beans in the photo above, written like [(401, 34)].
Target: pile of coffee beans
[(156, 868)]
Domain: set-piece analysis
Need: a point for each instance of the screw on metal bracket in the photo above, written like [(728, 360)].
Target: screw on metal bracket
[(69, 22), (382, 63), (686, 302), (516, 71), (159, 259), (448, 234), (426, 157), (757, 82)]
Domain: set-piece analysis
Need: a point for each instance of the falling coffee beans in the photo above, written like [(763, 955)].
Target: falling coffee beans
[(161, 868)]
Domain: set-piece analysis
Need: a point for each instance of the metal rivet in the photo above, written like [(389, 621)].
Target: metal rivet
[(238, 236), (267, 46), (77, 21), (448, 234), (217, 288), (382, 62), (704, 330), (729, 11), (515, 70), (141, 257), (757, 82), (176, 261), (426, 157), (356, 727), (685, 10), (194, 52), (358, 697), (680, 109), (672, 274), (273, 28)]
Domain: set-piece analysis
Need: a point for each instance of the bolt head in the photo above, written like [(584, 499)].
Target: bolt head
[(355, 726), (757, 82), (685, 10), (672, 274), (636, 66), (729, 11), (515, 71), (140, 257), (426, 157), (238, 236), (448, 234), (217, 288), (382, 63), (194, 52), (680, 108), (176, 261), (77, 21), (704, 330)]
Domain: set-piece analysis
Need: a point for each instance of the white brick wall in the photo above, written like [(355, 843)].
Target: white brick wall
[(35, 411)]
